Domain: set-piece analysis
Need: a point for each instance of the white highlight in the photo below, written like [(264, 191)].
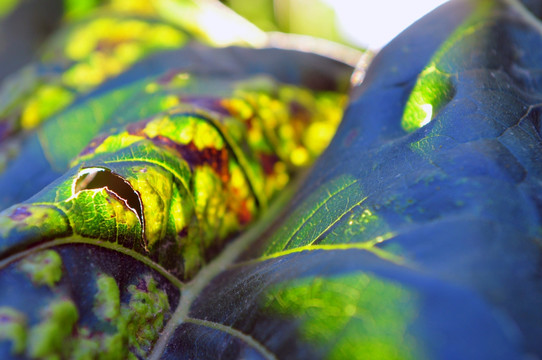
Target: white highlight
[(428, 108), (83, 172), (373, 24)]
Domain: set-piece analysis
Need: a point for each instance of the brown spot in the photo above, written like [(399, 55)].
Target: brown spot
[(218, 160), (299, 112), (244, 215), (107, 45), (20, 214), (137, 128), (268, 162), (183, 233), (91, 147)]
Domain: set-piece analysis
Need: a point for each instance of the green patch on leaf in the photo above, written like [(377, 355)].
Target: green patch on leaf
[(432, 91), (434, 88), (362, 224), (47, 100), (107, 300), (322, 209), (102, 214), (13, 328), (48, 338), (44, 268), (83, 122), (142, 320), (357, 316)]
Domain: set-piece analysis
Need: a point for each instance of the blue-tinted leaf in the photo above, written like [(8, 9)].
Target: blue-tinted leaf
[(416, 234)]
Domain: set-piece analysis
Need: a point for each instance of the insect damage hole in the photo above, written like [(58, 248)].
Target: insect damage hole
[(99, 178)]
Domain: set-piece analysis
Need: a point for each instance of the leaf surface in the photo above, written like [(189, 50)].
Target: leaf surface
[(415, 235)]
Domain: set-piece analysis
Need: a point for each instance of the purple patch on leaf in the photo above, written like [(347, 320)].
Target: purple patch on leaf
[(91, 148), (142, 285), (4, 131), (137, 128), (20, 214), (206, 102)]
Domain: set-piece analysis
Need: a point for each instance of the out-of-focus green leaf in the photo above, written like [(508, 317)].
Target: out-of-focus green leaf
[(307, 17)]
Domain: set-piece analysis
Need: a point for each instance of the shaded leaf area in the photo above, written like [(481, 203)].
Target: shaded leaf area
[(341, 304), (196, 77), (414, 236), (24, 27), (411, 237), (81, 301)]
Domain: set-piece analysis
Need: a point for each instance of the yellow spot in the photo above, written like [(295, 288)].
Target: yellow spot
[(127, 53), (180, 80), (151, 88), (237, 178), (299, 156), (31, 116), (282, 180), (239, 108), (318, 136), (157, 126), (206, 136), (144, 7), (163, 36), (186, 130), (46, 101), (169, 102), (155, 189), (115, 142), (105, 47), (286, 131)]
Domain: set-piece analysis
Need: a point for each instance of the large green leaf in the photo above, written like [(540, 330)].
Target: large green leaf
[(415, 235), (165, 164)]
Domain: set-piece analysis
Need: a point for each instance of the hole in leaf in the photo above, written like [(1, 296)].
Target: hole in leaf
[(99, 178)]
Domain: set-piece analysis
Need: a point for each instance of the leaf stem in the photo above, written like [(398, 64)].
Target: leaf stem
[(105, 244), (192, 289), (236, 333)]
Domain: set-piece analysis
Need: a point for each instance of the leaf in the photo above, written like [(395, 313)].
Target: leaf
[(100, 40), (413, 236), (173, 161)]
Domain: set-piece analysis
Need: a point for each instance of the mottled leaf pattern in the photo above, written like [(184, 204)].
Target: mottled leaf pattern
[(415, 235)]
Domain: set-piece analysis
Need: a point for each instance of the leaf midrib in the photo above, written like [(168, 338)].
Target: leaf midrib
[(76, 239), (227, 257)]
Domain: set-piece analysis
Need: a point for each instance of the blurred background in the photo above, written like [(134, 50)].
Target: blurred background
[(361, 23)]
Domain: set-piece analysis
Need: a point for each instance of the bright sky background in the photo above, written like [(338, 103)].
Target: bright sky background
[(374, 23)]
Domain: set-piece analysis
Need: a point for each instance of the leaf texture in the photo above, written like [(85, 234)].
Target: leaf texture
[(415, 235)]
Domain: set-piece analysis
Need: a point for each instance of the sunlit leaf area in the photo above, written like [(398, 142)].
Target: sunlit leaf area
[(273, 179)]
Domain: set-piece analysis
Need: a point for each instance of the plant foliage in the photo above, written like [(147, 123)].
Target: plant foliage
[(166, 227)]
